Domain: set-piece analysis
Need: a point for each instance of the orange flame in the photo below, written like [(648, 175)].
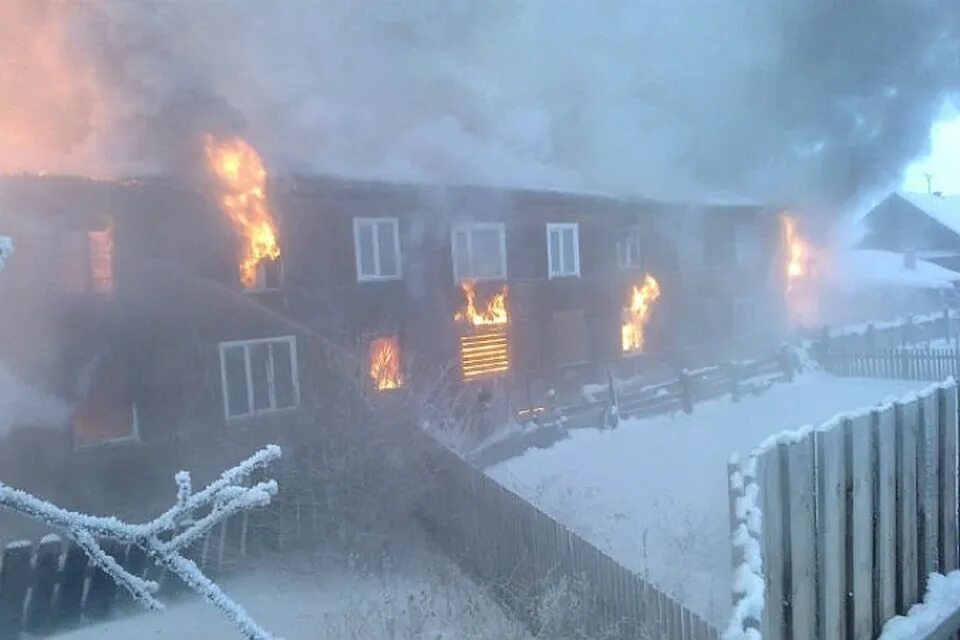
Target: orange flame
[(243, 179), (638, 313), (798, 252), (385, 363), (494, 314)]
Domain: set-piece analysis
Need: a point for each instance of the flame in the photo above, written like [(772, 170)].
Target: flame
[(494, 314), (243, 179), (798, 252), (385, 363), (638, 313)]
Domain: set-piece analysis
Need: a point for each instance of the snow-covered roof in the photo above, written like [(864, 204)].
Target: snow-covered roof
[(943, 209), (870, 267)]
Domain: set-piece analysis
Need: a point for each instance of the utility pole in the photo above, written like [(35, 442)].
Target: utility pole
[(929, 177)]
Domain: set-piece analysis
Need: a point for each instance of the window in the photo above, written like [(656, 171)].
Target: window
[(103, 424), (628, 250), (87, 261), (744, 317), (746, 246), (107, 413), (376, 243), (100, 244), (563, 250), (479, 251), (259, 376), (269, 275)]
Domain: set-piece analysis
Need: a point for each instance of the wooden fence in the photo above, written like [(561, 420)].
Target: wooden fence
[(681, 393), (49, 586), (903, 363), (855, 515), (506, 542)]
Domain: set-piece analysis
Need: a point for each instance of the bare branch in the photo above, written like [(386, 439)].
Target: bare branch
[(224, 497)]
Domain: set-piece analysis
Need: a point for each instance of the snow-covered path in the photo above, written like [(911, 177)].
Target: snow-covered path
[(653, 492)]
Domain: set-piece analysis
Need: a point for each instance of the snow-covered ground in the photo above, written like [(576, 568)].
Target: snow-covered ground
[(653, 492), (303, 598)]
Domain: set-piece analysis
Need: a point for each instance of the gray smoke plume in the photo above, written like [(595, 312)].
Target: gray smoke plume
[(794, 100)]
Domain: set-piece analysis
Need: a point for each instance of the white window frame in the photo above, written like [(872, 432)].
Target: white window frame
[(131, 438), (246, 344), (260, 284), (632, 238), (469, 228), (378, 276), (560, 227)]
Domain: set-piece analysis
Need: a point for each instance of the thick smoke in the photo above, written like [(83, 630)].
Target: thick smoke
[(800, 100)]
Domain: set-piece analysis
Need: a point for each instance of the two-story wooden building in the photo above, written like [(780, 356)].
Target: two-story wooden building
[(123, 299)]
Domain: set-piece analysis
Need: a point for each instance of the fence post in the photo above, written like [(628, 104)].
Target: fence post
[(14, 582), (825, 348), (905, 330), (904, 365), (686, 391), (733, 372), (735, 490), (612, 414), (785, 359)]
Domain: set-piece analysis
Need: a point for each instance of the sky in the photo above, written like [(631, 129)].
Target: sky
[(943, 162)]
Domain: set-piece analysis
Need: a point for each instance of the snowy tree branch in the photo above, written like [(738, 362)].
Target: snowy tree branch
[(224, 497)]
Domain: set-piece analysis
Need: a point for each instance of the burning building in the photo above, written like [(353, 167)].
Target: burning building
[(148, 282)]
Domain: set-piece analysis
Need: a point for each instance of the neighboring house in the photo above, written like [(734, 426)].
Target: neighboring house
[(123, 300), (927, 225)]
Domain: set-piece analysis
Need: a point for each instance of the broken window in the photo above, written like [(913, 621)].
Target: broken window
[(377, 247), (259, 376), (479, 251), (269, 275), (106, 414), (563, 250)]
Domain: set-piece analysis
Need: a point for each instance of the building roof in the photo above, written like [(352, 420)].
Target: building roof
[(872, 268), (943, 209)]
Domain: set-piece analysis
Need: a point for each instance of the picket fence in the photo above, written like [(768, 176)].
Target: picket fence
[(855, 515), (507, 543), (50, 586), (906, 364)]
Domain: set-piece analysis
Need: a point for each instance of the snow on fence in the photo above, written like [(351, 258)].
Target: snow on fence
[(682, 393), (522, 553), (48, 586), (943, 327), (855, 515), (906, 364)]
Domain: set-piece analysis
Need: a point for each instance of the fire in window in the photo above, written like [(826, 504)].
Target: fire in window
[(385, 370), (484, 349), (86, 260), (100, 246), (259, 376), (637, 313), (269, 275), (107, 413)]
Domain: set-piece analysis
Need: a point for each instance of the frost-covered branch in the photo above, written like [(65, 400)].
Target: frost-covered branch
[(165, 537)]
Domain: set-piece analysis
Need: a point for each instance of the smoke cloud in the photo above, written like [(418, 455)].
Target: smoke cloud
[(794, 100)]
